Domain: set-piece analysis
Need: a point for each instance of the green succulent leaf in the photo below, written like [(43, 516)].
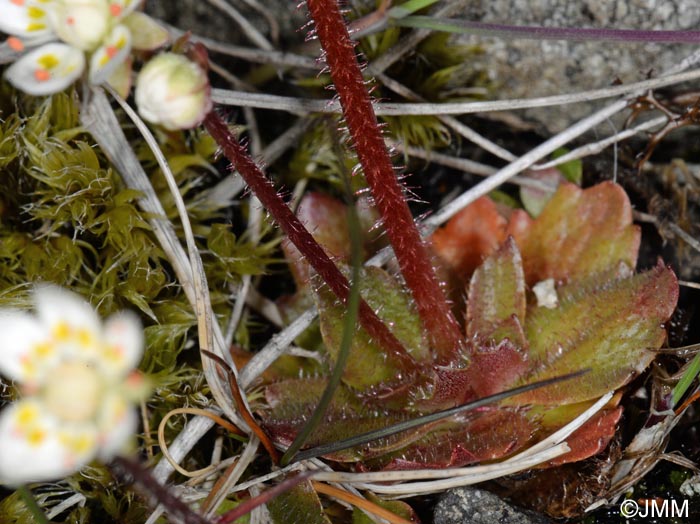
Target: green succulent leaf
[(496, 300), (608, 323), (368, 366)]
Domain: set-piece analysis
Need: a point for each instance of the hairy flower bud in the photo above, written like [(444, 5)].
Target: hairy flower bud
[(173, 91)]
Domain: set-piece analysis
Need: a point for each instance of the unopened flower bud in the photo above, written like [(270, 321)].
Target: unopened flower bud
[(173, 91)]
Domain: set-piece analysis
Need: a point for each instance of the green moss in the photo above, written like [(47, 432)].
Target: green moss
[(67, 218)]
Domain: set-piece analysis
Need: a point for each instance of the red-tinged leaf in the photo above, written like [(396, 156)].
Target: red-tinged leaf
[(447, 387), (494, 368), (488, 435), (591, 438), (470, 236), (368, 366), (496, 306), (579, 233), (609, 325), (496, 302), (326, 219), (292, 402), (300, 504)]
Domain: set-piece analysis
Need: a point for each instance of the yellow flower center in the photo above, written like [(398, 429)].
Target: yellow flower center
[(73, 392)]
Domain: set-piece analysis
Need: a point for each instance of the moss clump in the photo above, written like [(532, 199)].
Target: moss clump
[(66, 217)]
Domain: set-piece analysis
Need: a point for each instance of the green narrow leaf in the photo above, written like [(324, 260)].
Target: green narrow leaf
[(686, 380), (349, 322)]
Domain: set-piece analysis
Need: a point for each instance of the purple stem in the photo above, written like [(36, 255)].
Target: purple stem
[(438, 321), (302, 239)]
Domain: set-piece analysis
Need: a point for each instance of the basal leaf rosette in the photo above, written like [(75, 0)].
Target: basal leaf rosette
[(76, 383), (558, 295)]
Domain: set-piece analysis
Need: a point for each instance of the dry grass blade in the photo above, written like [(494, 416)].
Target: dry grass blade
[(232, 476), (361, 503), (552, 446), (247, 506), (99, 118), (242, 407), (248, 29), (306, 105), (190, 411), (259, 56)]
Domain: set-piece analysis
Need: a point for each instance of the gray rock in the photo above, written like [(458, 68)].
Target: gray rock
[(528, 68), (520, 68), (476, 506)]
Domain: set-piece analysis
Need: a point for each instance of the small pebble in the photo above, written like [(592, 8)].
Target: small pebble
[(477, 506)]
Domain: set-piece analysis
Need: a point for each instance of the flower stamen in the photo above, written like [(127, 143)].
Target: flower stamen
[(15, 44), (115, 10)]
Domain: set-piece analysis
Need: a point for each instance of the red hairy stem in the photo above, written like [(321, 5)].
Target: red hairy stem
[(302, 239), (439, 322)]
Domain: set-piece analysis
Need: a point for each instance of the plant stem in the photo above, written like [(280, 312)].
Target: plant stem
[(266, 496), (302, 239), (32, 505), (572, 34), (131, 472), (438, 321)]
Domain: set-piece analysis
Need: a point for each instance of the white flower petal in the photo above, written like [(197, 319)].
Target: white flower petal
[(81, 23), (21, 335), (46, 70), (117, 425), (34, 448), (109, 56), (24, 19), (70, 320), (146, 33), (123, 341)]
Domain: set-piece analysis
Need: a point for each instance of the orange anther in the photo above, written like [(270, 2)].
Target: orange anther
[(41, 75), (18, 2), (135, 378), (111, 51), (70, 20), (115, 9), (15, 44)]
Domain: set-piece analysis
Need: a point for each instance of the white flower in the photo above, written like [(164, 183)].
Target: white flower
[(77, 385), (105, 30), (173, 91)]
